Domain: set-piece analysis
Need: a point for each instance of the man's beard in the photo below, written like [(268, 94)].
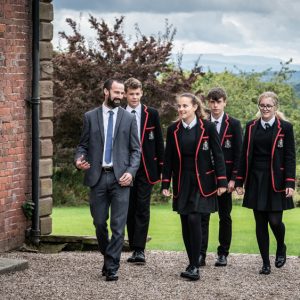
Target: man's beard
[(116, 102)]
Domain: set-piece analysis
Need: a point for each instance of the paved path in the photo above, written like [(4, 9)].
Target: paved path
[(76, 275)]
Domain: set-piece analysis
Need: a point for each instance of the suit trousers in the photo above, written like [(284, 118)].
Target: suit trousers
[(139, 211), (225, 225), (108, 193)]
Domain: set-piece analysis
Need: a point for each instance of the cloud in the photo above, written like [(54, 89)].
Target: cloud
[(169, 6), (268, 28)]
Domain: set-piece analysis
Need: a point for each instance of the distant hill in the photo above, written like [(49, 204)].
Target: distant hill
[(246, 63)]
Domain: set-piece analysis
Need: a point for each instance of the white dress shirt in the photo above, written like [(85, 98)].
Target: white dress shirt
[(105, 113), (191, 125), (138, 116), (219, 120), (263, 123)]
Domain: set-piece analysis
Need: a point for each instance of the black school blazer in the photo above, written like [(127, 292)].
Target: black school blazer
[(283, 160), (152, 144), (209, 160), (231, 137)]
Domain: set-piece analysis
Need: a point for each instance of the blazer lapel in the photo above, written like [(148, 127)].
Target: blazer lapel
[(276, 131), (144, 120), (118, 121), (100, 122), (223, 129)]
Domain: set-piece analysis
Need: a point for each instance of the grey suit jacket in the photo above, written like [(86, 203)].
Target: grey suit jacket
[(126, 145)]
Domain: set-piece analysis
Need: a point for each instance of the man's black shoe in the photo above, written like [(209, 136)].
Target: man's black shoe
[(131, 259), (103, 271), (202, 262), (191, 273), (221, 261), (280, 257), (111, 276), (140, 257), (265, 270)]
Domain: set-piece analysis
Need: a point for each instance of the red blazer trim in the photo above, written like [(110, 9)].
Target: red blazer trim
[(239, 177), (221, 177), (150, 128), (227, 125), (228, 135), (290, 179), (209, 172), (142, 141), (205, 137), (166, 180), (229, 161), (179, 155), (161, 163), (248, 149), (197, 151), (272, 155)]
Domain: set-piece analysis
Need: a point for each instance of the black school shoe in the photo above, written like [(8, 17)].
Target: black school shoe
[(265, 270), (280, 257), (191, 273), (221, 261)]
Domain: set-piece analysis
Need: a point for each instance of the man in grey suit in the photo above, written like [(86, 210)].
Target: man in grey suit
[(109, 152)]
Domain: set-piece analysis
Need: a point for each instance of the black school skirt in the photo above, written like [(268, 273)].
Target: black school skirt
[(259, 193)]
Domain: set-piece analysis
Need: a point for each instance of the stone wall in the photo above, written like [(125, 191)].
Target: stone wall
[(46, 115)]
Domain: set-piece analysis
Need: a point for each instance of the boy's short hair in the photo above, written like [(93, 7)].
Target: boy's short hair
[(133, 84), (216, 93)]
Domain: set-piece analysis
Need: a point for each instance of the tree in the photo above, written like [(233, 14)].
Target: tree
[(80, 72)]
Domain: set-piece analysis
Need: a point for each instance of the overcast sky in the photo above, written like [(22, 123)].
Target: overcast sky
[(231, 27)]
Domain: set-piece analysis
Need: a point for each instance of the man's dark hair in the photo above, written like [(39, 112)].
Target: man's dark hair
[(216, 93), (133, 84), (108, 83)]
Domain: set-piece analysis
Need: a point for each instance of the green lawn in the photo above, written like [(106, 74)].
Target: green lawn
[(165, 229)]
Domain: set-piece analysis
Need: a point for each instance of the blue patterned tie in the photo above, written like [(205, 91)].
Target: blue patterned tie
[(108, 147)]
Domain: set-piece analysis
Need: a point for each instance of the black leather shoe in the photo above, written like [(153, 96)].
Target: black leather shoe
[(103, 271), (111, 276), (280, 257), (140, 257), (221, 261), (265, 270), (131, 259), (191, 273), (202, 262)]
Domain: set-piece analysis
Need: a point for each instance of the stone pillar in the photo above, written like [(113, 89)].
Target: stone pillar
[(46, 115)]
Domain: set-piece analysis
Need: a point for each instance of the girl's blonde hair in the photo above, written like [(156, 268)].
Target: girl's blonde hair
[(274, 97), (200, 112)]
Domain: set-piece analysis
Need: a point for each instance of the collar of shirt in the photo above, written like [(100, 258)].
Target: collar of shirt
[(271, 122), (107, 109), (219, 119), (191, 125), (138, 109)]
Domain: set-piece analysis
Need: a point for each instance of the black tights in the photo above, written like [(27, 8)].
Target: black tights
[(192, 236), (262, 219)]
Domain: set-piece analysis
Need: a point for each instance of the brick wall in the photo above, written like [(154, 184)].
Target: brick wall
[(15, 119)]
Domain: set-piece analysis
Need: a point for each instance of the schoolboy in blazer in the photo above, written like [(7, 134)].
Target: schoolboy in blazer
[(230, 133), (149, 172)]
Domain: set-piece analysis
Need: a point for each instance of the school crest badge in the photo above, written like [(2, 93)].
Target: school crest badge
[(280, 143), (151, 135), (205, 146), (227, 144)]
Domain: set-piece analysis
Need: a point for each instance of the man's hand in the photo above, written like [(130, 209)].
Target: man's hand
[(230, 188), (82, 164), (125, 179), (239, 190), (221, 190)]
